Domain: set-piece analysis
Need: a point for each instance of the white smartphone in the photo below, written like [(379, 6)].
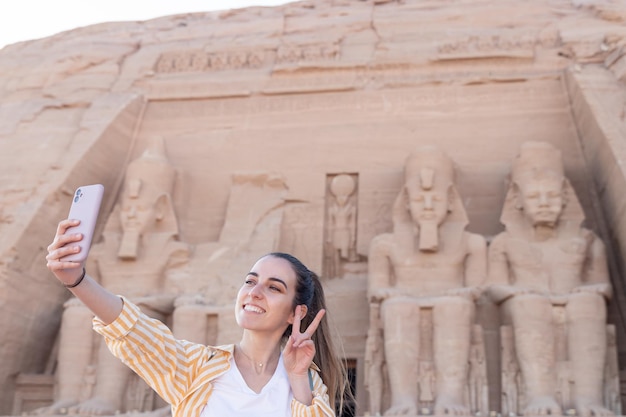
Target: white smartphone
[(85, 207)]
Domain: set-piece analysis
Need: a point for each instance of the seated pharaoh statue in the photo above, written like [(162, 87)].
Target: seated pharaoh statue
[(424, 278), (550, 277), (139, 250)]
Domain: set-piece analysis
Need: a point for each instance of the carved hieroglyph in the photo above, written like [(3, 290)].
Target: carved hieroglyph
[(549, 275), (425, 276)]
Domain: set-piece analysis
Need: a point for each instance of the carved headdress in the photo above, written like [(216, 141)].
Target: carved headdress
[(429, 168), (537, 160), (151, 178), (150, 174)]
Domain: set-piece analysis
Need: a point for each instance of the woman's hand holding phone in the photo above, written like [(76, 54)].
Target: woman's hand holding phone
[(64, 245), (70, 247)]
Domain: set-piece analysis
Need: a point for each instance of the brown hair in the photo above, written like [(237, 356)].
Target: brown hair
[(309, 291)]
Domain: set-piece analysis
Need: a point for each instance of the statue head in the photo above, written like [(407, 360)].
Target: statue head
[(428, 184), (146, 205), (539, 193), (428, 198), (539, 183), (342, 186)]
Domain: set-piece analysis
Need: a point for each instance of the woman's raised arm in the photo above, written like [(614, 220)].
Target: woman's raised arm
[(104, 304)]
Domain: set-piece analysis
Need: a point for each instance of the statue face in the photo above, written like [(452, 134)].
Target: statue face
[(542, 200), (428, 205), (137, 214)]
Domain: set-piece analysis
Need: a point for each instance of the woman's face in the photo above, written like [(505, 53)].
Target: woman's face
[(265, 300)]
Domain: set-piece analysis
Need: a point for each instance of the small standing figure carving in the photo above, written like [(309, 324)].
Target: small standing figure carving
[(342, 213)]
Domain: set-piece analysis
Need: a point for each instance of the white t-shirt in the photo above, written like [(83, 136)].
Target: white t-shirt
[(232, 397)]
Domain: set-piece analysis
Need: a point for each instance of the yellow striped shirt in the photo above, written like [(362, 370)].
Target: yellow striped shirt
[(180, 371)]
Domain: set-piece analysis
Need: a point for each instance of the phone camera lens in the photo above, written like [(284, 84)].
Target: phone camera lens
[(76, 199)]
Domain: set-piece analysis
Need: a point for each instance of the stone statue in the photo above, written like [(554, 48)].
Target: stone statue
[(511, 378), (341, 236), (545, 265), (428, 268), (140, 248), (374, 361)]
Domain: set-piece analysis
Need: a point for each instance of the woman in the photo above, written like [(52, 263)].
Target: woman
[(275, 370)]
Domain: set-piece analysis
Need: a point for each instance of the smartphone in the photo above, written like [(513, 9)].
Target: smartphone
[(85, 207)]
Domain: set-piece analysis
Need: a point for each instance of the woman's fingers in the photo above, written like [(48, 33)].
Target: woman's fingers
[(62, 237), (310, 331), (55, 262), (295, 327), (61, 265), (300, 338), (57, 254), (66, 224), (61, 246), (61, 241)]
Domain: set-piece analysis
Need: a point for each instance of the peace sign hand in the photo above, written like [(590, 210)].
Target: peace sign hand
[(300, 349)]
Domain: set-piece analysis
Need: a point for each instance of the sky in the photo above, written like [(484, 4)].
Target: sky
[(22, 20)]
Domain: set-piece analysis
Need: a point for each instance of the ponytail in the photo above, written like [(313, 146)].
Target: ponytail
[(310, 292)]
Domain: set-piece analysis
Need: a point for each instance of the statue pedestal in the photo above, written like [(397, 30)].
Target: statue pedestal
[(32, 391)]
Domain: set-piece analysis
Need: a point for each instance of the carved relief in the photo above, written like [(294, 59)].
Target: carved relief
[(427, 323), (512, 384), (478, 386), (502, 44), (341, 221), (375, 373), (550, 277), (307, 53), (296, 231), (204, 61), (201, 61)]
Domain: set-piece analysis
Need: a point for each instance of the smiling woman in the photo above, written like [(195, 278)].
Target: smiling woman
[(19, 23), (284, 364)]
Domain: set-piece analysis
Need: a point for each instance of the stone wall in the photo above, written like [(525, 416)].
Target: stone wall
[(304, 91)]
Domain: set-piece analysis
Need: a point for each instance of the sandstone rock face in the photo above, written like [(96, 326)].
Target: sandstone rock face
[(288, 129)]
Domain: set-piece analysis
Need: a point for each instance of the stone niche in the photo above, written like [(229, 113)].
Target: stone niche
[(258, 133)]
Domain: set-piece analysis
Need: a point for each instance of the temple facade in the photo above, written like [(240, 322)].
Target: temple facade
[(295, 129)]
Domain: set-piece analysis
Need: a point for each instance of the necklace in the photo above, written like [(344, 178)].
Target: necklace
[(259, 364)]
